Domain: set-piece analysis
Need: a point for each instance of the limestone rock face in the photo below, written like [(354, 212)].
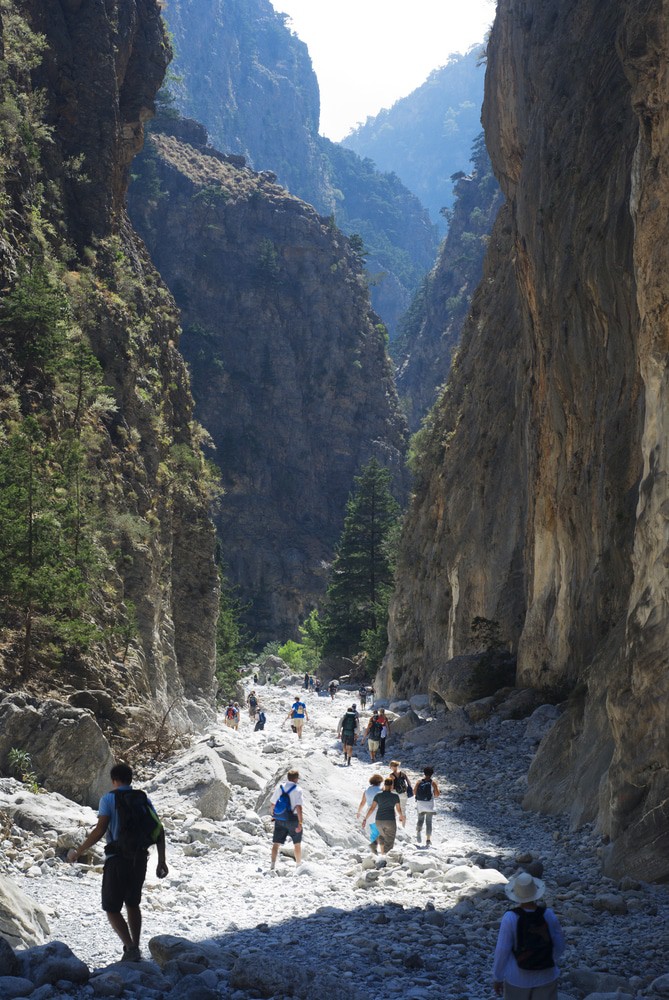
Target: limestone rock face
[(68, 750), (98, 77), (543, 496), (289, 366)]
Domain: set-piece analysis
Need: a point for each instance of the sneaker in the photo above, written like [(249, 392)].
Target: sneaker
[(374, 847), (133, 954), (428, 843)]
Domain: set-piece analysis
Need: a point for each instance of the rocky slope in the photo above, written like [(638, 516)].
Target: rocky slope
[(541, 499), (289, 364), (109, 578), (240, 71)]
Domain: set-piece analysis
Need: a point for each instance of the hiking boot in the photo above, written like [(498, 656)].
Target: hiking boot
[(428, 843), (132, 954), (348, 762)]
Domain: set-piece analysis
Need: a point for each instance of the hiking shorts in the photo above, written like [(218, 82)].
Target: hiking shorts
[(122, 881), (387, 832), (283, 830), (297, 724), (373, 745), (348, 739)]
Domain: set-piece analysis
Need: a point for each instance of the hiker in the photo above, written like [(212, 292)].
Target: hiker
[(231, 720), (385, 805), (252, 702), (297, 714), (368, 796), (287, 815), (362, 695), (530, 939), (306, 682), (383, 735), (401, 784), (332, 688), (260, 724), (237, 716), (425, 792), (372, 734), (123, 815), (346, 732)]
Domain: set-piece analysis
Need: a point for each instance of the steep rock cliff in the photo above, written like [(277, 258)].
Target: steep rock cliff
[(290, 371), (564, 540), (121, 592), (242, 72)]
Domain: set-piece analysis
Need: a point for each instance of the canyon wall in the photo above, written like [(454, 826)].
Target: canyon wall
[(290, 370), (94, 388), (541, 498)]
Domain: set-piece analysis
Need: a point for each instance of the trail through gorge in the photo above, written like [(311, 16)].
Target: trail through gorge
[(421, 926)]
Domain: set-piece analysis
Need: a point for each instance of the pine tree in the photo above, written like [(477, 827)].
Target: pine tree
[(355, 612)]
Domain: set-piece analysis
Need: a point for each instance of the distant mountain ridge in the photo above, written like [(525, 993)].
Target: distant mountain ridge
[(427, 136), (248, 79)]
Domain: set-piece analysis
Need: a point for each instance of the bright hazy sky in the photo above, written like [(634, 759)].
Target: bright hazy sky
[(369, 53)]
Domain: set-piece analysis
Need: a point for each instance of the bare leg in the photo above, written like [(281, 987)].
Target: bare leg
[(275, 853), (134, 923), (298, 854), (117, 920)]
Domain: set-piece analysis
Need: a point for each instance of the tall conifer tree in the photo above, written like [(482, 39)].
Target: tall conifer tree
[(356, 600)]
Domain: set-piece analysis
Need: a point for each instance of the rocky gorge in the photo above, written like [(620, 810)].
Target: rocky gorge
[(555, 409), (424, 922)]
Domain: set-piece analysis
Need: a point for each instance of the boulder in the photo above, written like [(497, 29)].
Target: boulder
[(406, 723), (12, 988), (420, 703), (541, 722), (519, 704), (399, 706), (43, 813), (471, 676), (8, 962), (450, 725), (197, 779), (47, 963), (68, 750), (22, 922)]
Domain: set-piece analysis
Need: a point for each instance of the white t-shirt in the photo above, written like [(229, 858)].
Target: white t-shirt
[(371, 792), (295, 794)]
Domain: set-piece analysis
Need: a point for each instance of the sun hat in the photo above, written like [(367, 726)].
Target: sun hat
[(525, 888)]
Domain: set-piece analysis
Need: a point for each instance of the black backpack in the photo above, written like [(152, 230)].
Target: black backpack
[(375, 731), (534, 945), (401, 783), (424, 792), (139, 825), (348, 723)]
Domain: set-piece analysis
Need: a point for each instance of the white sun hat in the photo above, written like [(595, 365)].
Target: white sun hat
[(525, 888)]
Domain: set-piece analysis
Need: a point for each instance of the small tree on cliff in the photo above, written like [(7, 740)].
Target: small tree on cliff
[(356, 604)]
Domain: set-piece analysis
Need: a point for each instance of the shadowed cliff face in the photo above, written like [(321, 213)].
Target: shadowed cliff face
[(289, 366), (99, 73), (544, 510)]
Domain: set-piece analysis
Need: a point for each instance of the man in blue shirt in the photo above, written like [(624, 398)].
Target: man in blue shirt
[(123, 877), (297, 715)]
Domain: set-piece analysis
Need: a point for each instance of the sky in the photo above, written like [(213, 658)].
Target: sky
[(369, 53)]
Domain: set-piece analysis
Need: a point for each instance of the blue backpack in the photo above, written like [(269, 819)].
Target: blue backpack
[(282, 809)]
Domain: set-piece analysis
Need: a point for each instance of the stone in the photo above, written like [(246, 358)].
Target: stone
[(610, 903), (68, 750), (541, 721), (8, 962), (198, 778), (22, 922), (661, 985), (50, 962), (11, 987)]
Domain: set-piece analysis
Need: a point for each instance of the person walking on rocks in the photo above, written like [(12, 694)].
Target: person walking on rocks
[(425, 792), (529, 942), (401, 784), (383, 735), (123, 814), (252, 702), (332, 688), (231, 714), (362, 695), (287, 815), (297, 714), (372, 734), (385, 805), (373, 789), (346, 732)]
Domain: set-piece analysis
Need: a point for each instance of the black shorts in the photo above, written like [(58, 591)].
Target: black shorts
[(122, 881), (348, 739), (283, 830)]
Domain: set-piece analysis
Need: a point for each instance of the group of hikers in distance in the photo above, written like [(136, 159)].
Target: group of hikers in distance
[(530, 939)]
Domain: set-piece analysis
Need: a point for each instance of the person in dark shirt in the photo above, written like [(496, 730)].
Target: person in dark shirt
[(386, 804)]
